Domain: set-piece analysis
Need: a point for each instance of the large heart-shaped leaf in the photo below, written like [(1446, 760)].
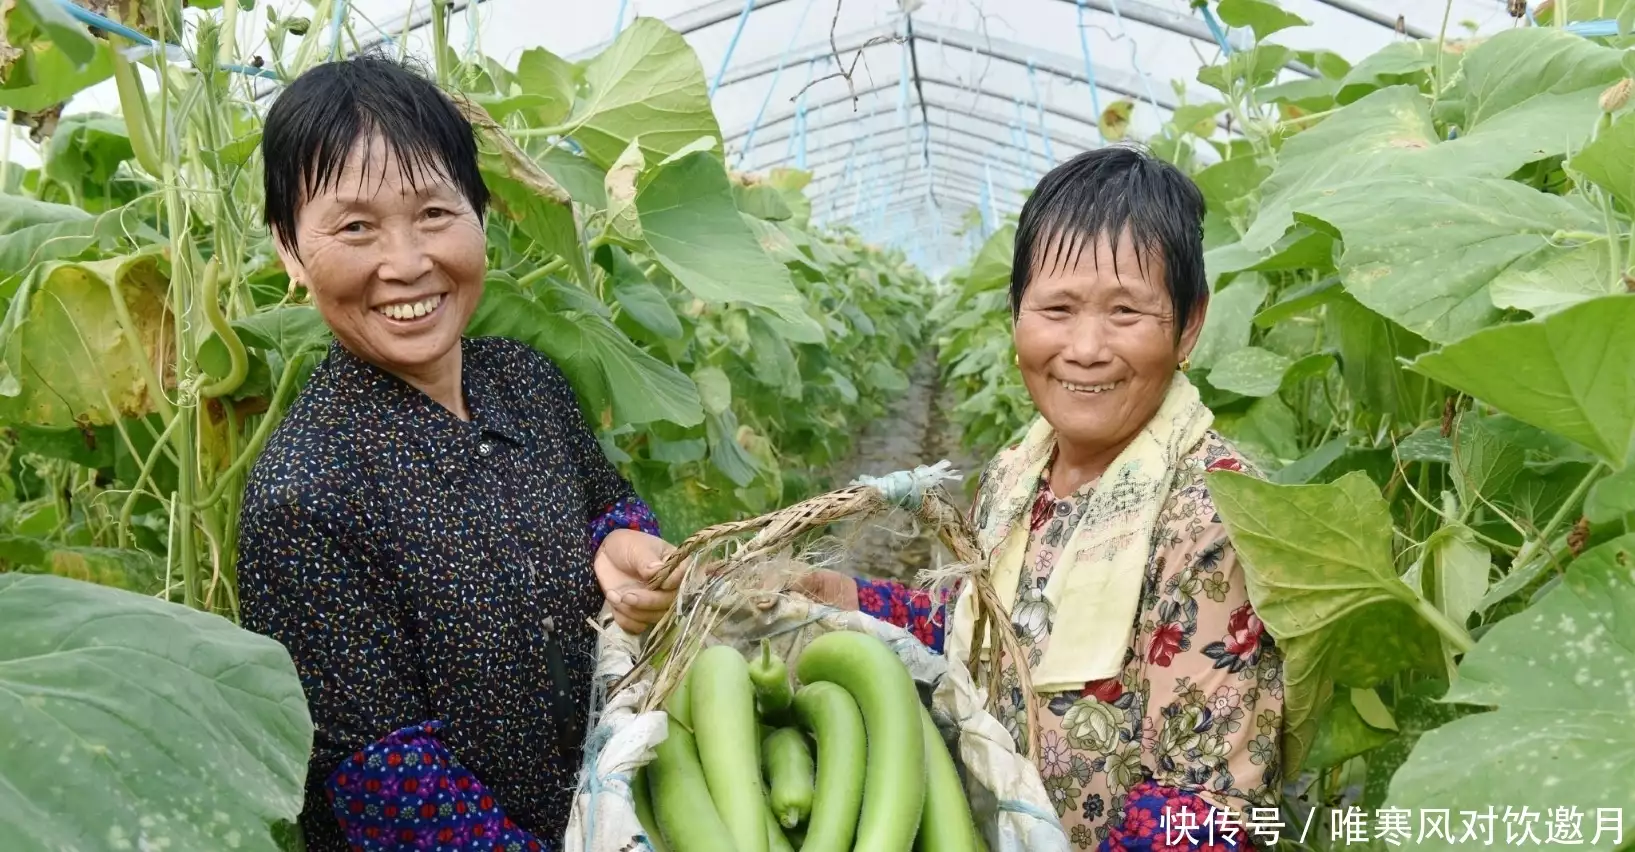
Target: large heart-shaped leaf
[(693, 226), (1318, 562), (648, 83), (1572, 373), (67, 357), (595, 356), (1563, 729), (548, 81), (147, 725), (1422, 251), (1530, 93)]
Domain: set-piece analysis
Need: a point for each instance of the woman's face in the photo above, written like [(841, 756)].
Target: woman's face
[(395, 268), (1097, 349)]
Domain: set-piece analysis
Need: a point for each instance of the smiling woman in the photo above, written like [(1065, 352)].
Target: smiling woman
[(1164, 692), (432, 529)]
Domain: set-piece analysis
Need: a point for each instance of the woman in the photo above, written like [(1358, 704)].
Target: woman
[(1161, 696), (432, 527)]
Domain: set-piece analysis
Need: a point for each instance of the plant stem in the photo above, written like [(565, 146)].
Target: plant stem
[(1458, 638), (1530, 548), (439, 39), (1441, 39)]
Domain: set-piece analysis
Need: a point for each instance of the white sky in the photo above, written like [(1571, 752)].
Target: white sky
[(973, 100)]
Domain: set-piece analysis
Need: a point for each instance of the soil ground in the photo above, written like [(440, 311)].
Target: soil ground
[(916, 430)]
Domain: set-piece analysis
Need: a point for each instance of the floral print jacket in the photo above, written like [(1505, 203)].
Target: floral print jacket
[(1188, 733)]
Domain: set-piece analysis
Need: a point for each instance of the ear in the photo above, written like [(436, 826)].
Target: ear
[(292, 264)]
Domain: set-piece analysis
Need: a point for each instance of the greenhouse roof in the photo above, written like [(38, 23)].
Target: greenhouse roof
[(913, 115)]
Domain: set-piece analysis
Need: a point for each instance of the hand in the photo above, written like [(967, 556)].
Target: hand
[(624, 564), (834, 588)]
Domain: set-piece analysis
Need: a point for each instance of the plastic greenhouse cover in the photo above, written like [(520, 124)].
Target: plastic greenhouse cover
[(951, 104)]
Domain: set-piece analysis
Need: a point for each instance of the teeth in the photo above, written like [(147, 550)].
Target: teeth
[(410, 310), (1089, 388)]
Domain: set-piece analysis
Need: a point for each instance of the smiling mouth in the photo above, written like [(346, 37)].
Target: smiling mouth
[(411, 311), (1089, 390)]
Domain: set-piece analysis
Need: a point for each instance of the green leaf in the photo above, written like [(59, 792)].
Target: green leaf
[(1553, 278), (648, 83), (645, 303), (714, 389), (595, 356), (1369, 346), (1416, 711), (1398, 63), (1421, 251), (131, 570), (1558, 677), (1484, 463), (582, 178), (1606, 162), (762, 201), (548, 223), (697, 235), (136, 710), (33, 232), (1197, 119), (1226, 326), (29, 20), (1318, 563), (291, 331), (1368, 705), (66, 357), (1250, 371), (549, 80), (1567, 373), (1262, 16), (1305, 299), (1611, 498), (87, 150), (1457, 567), (1343, 733), (39, 80), (1530, 93), (726, 453), (1309, 467)]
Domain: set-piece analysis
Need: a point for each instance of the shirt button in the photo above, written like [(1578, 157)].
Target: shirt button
[(485, 449)]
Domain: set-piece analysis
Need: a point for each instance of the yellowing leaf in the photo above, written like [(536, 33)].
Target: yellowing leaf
[(1115, 120)]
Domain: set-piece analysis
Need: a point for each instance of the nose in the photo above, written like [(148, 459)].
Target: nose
[(404, 259), (1087, 340)]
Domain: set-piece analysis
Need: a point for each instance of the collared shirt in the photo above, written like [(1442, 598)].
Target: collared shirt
[(425, 571)]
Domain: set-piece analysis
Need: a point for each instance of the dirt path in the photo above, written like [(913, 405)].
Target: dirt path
[(915, 431)]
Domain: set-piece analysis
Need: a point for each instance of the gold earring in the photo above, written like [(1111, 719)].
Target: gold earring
[(1017, 359), (1186, 363)]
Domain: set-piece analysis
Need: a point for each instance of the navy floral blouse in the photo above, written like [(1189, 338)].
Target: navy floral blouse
[(432, 580)]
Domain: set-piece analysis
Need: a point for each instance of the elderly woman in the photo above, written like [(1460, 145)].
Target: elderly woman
[(1160, 694), (432, 528)]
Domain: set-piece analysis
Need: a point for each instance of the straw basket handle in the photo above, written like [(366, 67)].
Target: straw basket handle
[(921, 494)]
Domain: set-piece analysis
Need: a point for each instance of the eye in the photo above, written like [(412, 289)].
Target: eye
[(438, 212), (356, 226)]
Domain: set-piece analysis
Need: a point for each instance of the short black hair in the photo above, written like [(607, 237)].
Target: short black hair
[(315, 122), (1110, 192)]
